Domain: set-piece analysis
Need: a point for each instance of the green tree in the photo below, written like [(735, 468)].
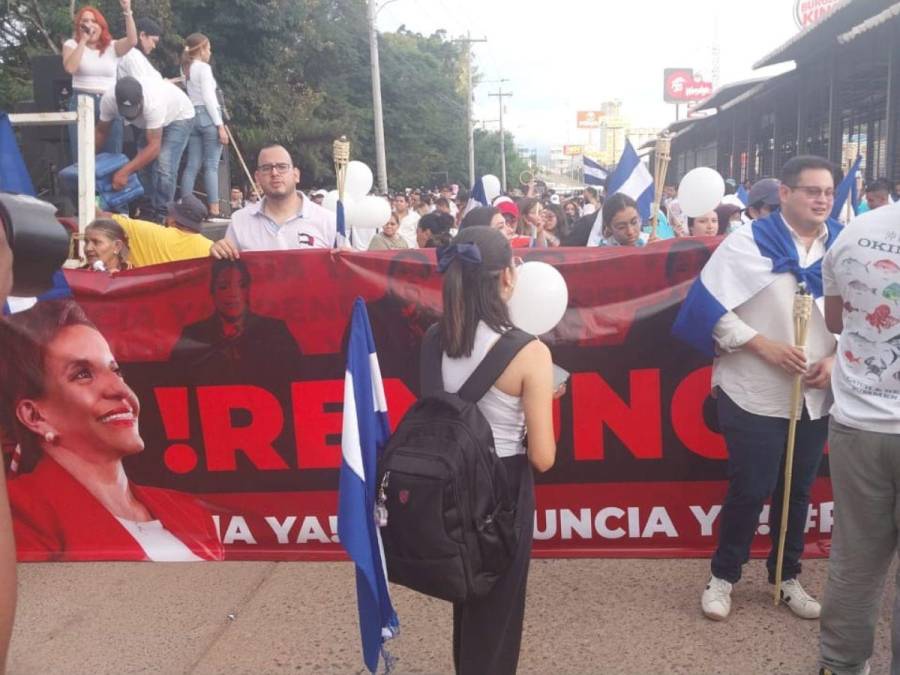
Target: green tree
[(295, 73)]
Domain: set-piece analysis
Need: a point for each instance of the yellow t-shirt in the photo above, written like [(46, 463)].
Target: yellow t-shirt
[(151, 244)]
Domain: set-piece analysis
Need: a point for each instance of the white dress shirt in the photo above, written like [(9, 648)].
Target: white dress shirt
[(755, 385)]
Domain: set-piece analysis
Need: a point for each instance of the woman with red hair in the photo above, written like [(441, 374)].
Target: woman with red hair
[(91, 57)]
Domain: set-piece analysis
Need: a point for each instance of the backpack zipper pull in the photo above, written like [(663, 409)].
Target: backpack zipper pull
[(381, 512)]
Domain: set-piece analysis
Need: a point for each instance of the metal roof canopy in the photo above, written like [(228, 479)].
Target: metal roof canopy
[(727, 92), (824, 33), (762, 87), (871, 23)]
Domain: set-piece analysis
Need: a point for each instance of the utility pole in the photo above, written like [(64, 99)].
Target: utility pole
[(500, 96), (380, 161), (470, 128)]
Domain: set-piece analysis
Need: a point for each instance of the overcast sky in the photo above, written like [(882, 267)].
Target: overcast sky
[(574, 54)]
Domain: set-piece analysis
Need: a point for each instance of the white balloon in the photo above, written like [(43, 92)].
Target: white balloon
[(370, 212), (700, 191), (358, 182), (330, 200), (539, 299), (491, 186)]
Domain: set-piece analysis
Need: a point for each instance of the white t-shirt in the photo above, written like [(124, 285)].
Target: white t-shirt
[(164, 103), (201, 89), (408, 225), (96, 73), (312, 227), (135, 64), (863, 268)]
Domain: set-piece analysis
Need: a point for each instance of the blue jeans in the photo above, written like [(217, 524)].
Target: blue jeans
[(114, 137), (203, 150), (164, 169), (756, 448)]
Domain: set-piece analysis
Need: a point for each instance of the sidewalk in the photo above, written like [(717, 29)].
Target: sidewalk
[(584, 616)]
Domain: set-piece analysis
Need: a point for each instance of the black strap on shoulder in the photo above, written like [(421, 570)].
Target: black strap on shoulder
[(493, 365), (431, 379)]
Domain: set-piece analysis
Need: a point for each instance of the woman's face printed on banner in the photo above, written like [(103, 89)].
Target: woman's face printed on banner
[(231, 295), (86, 403)]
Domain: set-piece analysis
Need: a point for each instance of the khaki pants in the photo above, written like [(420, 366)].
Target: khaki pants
[(865, 476)]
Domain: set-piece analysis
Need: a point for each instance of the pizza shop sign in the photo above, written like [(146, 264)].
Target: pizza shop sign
[(682, 85), (810, 12)]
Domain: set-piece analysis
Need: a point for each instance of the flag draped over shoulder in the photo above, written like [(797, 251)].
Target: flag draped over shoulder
[(594, 173), (365, 432), (847, 188), (632, 178), (745, 263)]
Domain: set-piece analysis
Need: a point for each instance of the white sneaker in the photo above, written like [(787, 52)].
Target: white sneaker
[(801, 603), (716, 599)]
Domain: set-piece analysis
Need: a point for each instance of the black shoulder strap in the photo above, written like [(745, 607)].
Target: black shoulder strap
[(431, 380), (493, 365)]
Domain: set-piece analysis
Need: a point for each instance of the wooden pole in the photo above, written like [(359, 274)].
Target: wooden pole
[(802, 310)]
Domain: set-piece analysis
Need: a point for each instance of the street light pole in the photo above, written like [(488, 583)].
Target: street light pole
[(500, 96), (380, 160)]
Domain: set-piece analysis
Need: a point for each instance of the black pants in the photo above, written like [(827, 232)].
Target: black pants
[(487, 632), (756, 450)]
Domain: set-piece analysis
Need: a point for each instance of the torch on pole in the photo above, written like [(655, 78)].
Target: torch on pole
[(801, 313)]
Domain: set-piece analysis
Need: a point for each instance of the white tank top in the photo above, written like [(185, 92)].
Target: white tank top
[(503, 412)]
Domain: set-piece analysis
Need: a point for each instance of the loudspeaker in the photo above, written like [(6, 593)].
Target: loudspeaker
[(52, 85)]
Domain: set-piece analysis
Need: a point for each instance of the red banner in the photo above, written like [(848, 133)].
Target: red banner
[(238, 375)]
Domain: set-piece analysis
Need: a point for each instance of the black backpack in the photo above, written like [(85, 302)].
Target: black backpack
[(450, 530)]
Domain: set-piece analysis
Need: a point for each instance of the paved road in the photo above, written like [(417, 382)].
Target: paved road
[(584, 616)]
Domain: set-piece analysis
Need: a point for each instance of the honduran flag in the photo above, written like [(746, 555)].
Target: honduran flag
[(365, 433), (59, 290), (594, 173), (633, 178), (847, 188), (477, 197), (746, 262)]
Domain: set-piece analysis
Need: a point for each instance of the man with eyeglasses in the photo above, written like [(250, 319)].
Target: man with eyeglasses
[(740, 311), (283, 220)]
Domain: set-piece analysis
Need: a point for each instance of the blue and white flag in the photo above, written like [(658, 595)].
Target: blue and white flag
[(477, 197), (745, 263), (594, 173), (13, 172), (59, 291), (631, 177), (341, 221), (847, 188), (742, 194), (365, 432)]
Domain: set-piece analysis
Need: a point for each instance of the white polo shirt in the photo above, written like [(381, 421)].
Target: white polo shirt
[(164, 103), (312, 227)]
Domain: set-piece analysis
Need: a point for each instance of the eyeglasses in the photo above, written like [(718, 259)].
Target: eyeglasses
[(814, 192), (279, 167)]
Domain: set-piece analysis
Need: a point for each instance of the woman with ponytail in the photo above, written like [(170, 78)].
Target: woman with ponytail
[(479, 278), (209, 135)]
